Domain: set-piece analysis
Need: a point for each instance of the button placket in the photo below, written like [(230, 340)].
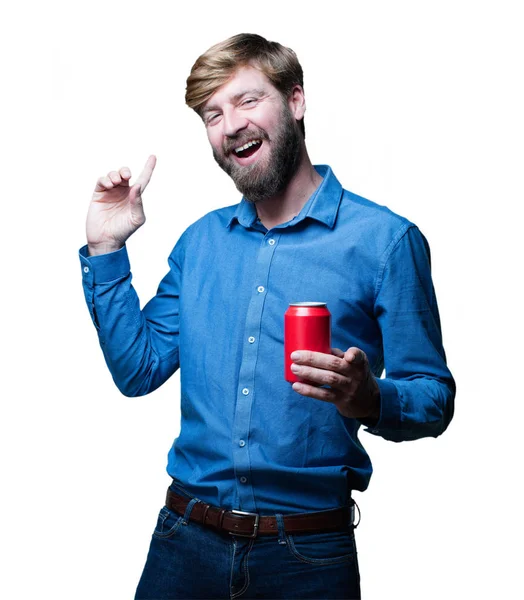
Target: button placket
[(246, 381)]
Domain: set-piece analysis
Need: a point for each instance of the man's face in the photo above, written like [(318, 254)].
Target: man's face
[(254, 136)]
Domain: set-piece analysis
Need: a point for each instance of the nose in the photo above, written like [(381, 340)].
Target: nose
[(233, 122)]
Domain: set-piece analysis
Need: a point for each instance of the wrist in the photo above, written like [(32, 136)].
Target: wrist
[(374, 415), (102, 248)]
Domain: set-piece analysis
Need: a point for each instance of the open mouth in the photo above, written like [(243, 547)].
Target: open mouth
[(248, 149)]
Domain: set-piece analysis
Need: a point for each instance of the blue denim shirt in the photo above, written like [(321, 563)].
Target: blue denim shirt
[(247, 440)]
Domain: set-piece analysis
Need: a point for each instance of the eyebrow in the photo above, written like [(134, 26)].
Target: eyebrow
[(236, 98)]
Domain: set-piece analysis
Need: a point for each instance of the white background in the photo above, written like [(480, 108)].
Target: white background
[(417, 106)]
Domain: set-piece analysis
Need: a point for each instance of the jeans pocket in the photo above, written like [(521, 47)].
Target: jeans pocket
[(323, 548), (167, 523)]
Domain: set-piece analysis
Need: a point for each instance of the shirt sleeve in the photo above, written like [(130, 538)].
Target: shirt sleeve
[(418, 392), (141, 347)]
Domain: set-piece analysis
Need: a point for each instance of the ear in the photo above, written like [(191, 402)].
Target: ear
[(297, 102)]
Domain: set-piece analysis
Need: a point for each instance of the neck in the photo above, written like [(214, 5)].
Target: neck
[(289, 202)]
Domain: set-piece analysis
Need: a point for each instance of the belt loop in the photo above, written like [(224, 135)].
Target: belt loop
[(205, 514), (189, 508), (281, 529), (221, 517), (352, 508)]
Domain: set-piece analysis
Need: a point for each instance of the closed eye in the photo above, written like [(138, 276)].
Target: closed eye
[(211, 118)]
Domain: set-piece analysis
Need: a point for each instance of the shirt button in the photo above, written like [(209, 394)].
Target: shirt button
[(260, 288), (245, 391), (86, 269), (243, 479), (242, 443), (250, 339), (271, 242)]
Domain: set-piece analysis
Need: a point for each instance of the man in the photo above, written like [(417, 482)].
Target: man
[(260, 504)]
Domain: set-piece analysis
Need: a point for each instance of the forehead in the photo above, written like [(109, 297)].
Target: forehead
[(243, 80)]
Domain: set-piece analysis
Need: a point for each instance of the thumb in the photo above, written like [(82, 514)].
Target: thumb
[(135, 196), (135, 204), (355, 356)]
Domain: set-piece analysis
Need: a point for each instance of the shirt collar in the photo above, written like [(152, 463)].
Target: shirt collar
[(322, 205)]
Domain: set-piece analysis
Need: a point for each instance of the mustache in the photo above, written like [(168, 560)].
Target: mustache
[(239, 140)]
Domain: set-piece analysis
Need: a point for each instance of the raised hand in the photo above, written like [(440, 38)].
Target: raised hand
[(116, 210)]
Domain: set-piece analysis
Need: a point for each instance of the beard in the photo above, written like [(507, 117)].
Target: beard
[(259, 181)]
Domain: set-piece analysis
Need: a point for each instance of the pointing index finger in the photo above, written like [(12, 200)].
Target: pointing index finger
[(147, 171)]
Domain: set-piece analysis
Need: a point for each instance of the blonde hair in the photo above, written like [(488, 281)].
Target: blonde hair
[(213, 68)]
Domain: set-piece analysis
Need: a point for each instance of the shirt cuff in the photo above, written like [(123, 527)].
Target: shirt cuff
[(389, 409), (104, 268)]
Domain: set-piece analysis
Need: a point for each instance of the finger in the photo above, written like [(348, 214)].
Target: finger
[(104, 183), (112, 179), (115, 177), (320, 376), (319, 360), (125, 174), (325, 394), (145, 176), (337, 352), (356, 356)]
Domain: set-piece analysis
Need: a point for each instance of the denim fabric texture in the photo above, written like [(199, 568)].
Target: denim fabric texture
[(247, 440), (187, 560)]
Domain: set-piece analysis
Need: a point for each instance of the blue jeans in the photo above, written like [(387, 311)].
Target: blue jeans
[(187, 560)]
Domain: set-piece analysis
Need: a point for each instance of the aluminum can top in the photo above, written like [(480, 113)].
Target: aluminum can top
[(309, 304)]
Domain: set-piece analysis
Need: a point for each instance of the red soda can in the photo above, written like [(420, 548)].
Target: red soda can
[(307, 326)]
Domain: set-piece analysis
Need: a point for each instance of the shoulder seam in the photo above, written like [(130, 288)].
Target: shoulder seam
[(399, 234)]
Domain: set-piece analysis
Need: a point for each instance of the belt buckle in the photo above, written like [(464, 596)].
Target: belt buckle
[(255, 527)]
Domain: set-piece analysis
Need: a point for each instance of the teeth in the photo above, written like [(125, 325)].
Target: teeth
[(248, 145)]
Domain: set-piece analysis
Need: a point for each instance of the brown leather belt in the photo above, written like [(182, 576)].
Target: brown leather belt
[(247, 524)]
